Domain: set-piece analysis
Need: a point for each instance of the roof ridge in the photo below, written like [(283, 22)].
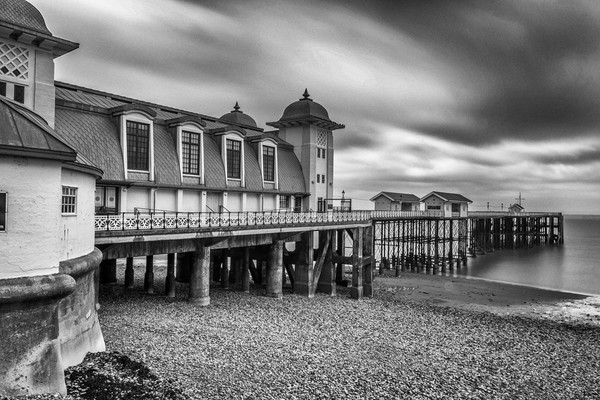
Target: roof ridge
[(125, 99)]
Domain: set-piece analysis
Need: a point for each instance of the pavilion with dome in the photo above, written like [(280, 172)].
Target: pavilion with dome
[(69, 154)]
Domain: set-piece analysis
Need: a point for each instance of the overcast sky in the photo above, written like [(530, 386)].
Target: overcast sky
[(483, 98)]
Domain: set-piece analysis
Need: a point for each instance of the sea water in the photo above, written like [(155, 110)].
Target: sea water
[(572, 267)]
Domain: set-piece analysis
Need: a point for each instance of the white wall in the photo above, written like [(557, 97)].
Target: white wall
[(30, 245), (234, 201), (137, 197), (269, 202), (252, 202), (76, 232), (165, 200), (191, 201)]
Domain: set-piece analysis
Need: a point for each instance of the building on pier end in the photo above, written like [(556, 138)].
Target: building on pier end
[(446, 204), (393, 201)]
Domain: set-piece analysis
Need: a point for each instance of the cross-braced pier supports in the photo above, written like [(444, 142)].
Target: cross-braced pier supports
[(440, 244)]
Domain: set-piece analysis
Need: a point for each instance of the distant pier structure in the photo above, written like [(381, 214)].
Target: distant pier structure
[(429, 242)]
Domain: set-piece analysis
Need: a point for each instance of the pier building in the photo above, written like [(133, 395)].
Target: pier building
[(446, 204), (393, 201)]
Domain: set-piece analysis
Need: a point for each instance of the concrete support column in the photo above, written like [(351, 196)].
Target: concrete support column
[(170, 279), (356, 291), (108, 271), (246, 270), (304, 274), (200, 277), (368, 268), (149, 276), (129, 273), (275, 269), (183, 267), (328, 271)]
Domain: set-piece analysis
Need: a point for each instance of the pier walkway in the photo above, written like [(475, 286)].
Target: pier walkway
[(307, 249)]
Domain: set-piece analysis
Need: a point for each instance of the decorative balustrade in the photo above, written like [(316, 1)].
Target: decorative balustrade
[(179, 220), (174, 220)]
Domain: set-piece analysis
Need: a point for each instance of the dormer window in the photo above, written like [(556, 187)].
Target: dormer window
[(136, 131), (268, 163), (138, 146), (234, 158), (190, 152)]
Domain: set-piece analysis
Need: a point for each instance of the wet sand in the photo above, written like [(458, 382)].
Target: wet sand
[(495, 297)]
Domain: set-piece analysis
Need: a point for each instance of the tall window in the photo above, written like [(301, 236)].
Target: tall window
[(190, 149), (284, 202), (69, 200), (138, 144), (234, 158), (269, 163)]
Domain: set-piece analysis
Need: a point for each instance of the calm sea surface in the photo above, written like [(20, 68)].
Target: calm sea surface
[(572, 267)]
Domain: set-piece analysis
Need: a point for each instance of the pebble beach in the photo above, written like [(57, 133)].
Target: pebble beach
[(420, 337)]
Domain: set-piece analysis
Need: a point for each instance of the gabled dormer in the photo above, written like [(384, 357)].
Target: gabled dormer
[(231, 141), (135, 124), (266, 147), (189, 137)]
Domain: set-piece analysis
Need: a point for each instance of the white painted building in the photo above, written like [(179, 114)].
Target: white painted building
[(446, 204)]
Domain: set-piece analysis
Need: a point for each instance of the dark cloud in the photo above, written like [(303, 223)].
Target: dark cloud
[(521, 68), (584, 156)]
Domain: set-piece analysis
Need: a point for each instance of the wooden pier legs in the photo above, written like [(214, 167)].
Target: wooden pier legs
[(325, 273), (304, 282), (129, 273), (200, 277), (149, 276), (170, 279), (275, 269), (246, 271), (356, 291)]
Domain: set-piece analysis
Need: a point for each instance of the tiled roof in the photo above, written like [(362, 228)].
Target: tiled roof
[(24, 132), (166, 164), (253, 175), (95, 98), (404, 197), (291, 178), (448, 196), (22, 13), (95, 137), (84, 121), (214, 174)]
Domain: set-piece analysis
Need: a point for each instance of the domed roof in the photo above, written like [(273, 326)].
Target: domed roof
[(304, 108), (23, 14), (237, 117)]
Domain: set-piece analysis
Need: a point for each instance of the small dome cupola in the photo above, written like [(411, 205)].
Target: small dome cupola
[(305, 110), (237, 117), (22, 14)]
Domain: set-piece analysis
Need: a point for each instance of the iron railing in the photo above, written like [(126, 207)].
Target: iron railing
[(180, 220), (138, 220)]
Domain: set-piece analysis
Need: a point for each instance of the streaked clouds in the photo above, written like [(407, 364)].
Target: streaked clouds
[(485, 98)]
